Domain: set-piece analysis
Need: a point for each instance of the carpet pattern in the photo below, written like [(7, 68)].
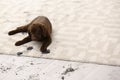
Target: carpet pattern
[(83, 30)]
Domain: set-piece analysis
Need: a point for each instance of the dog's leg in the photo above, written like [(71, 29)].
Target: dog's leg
[(19, 29), (25, 40), (44, 46)]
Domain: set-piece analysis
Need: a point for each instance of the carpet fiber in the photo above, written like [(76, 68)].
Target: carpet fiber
[(83, 30)]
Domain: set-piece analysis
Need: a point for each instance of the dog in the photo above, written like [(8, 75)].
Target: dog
[(39, 29)]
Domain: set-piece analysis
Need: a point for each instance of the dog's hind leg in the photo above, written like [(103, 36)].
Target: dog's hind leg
[(25, 40), (19, 29)]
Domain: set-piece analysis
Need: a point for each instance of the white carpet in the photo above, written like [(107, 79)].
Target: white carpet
[(83, 30)]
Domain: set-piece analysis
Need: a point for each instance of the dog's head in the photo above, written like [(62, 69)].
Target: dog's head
[(37, 32)]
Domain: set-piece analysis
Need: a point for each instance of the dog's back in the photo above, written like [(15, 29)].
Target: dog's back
[(42, 20)]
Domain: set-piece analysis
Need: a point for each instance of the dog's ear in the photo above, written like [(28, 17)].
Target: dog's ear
[(44, 31)]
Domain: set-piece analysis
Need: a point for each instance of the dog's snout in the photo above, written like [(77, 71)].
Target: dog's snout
[(34, 38)]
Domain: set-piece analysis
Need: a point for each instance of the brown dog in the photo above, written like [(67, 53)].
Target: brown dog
[(39, 29)]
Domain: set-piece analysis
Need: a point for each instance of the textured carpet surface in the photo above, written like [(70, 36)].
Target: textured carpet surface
[(83, 30)]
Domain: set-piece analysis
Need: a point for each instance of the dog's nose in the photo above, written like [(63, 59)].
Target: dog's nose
[(34, 39)]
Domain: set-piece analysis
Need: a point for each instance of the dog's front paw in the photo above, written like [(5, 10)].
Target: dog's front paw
[(18, 43), (46, 51)]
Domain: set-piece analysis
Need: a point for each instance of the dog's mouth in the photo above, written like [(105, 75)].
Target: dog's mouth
[(33, 39), (36, 39)]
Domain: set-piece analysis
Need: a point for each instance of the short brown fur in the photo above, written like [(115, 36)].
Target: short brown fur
[(39, 29)]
